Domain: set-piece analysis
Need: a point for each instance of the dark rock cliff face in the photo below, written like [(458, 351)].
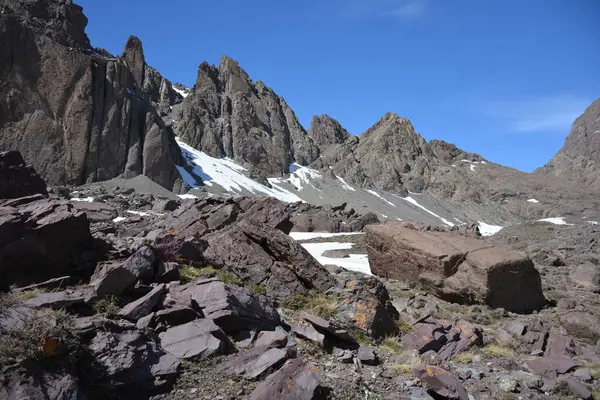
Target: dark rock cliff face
[(77, 116), (326, 131), (579, 159), (227, 115)]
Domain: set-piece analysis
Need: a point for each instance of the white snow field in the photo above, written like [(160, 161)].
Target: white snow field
[(414, 202), (532, 201), (355, 262), (555, 221), (228, 175), (488, 229), (314, 235)]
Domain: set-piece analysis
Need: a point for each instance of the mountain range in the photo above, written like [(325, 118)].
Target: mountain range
[(80, 115)]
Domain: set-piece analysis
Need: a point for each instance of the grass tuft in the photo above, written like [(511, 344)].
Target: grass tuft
[(464, 358), (320, 304), (360, 336), (391, 344), (109, 305), (258, 290), (498, 350), (188, 274), (403, 326), (403, 368)]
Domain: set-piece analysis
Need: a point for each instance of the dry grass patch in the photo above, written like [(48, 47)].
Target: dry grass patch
[(496, 349), (463, 358), (109, 305), (403, 326), (320, 304), (391, 344)]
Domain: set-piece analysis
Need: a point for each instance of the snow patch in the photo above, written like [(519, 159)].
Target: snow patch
[(119, 219), (472, 167), (374, 193), (299, 176), (384, 216), (346, 186), (184, 93), (488, 229), (144, 213), (83, 199), (414, 202), (313, 235), (555, 221), (592, 222), (227, 174), (532, 201), (355, 262), (187, 196)]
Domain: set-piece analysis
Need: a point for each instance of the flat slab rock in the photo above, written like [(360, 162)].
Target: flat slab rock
[(296, 380), (440, 382), (455, 268), (198, 339), (232, 308)]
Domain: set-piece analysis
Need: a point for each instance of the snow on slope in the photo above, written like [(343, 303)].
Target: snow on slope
[(184, 93), (354, 262), (487, 229), (346, 186), (314, 235), (414, 202), (532, 201), (374, 193), (555, 221), (228, 175), (300, 176)]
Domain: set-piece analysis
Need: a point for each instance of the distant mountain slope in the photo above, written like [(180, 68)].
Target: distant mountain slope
[(579, 158)]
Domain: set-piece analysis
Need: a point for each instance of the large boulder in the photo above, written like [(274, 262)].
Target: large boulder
[(296, 380), (40, 240), (18, 179), (454, 267), (232, 308), (247, 237)]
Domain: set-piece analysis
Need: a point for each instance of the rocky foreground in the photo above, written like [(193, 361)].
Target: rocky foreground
[(120, 294)]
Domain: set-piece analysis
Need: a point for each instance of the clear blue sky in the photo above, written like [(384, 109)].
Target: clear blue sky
[(503, 78)]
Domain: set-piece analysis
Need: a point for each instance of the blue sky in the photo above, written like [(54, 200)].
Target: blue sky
[(503, 78)]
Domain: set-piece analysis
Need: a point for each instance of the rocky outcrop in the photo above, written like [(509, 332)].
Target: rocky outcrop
[(454, 267), (41, 239), (326, 131), (579, 158), (342, 218), (75, 114), (18, 179), (227, 115)]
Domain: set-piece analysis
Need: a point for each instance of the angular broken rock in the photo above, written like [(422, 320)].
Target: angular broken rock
[(552, 366), (367, 356), (440, 382), (167, 272), (296, 380), (198, 339), (326, 326), (582, 325), (113, 278), (57, 300), (276, 338), (233, 308), (578, 389), (131, 360), (560, 343), (309, 332), (254, 362), (455, 268), (144, 305)]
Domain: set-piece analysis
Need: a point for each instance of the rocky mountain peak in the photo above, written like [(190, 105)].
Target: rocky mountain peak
[(59, 20), (133, 53), (579, 158), (326, 131), (228, 116)]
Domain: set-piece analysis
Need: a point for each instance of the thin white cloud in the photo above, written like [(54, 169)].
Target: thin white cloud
[(405, 10), (541, 115), (409, 10)]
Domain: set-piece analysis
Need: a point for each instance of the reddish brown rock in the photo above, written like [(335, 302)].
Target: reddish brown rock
[(454, 267)]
